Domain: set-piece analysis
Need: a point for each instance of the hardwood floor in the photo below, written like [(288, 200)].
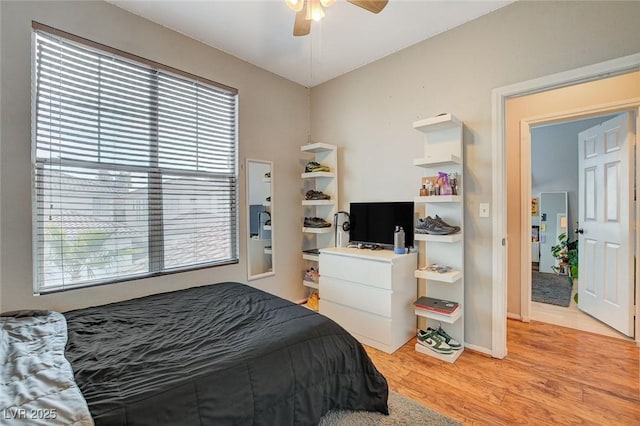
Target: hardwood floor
[(552, 376), (572, 317)]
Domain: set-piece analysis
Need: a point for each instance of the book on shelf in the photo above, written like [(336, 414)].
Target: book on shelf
[(440, 306)]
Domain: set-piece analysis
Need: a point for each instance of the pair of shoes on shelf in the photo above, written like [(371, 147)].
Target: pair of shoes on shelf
[(316, 222), (316, 195), (438, 340), (314, 166), (312, 274), (436, 226)]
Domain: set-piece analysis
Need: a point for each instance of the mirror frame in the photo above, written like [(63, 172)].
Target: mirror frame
[(272, 272)]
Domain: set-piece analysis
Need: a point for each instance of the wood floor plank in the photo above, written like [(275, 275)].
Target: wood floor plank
[(552, 375)]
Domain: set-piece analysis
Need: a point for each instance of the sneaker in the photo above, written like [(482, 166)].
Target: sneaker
[(453, 343), (312, 274), (314, 166), (433, 341), (316, 222), (316, 195), (443, 223), (428, 225)]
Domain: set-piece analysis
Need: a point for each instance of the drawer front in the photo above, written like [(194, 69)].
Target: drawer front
[(358, 270), (364, 298), (369, 325)]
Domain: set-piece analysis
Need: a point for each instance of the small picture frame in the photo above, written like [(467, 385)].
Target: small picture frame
[(534, 206)]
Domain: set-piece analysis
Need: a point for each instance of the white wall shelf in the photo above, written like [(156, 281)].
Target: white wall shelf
[(443, 357), (436, 160), (438, 199), (449, 319), (310, 257), (326, 230), (318, 203), (311, 284), (314, 175), (453, 238), (437, 123), (317, 147), (443, 152), (445, 277)]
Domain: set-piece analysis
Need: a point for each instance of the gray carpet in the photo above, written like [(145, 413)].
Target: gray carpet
[(550, 288), (402, 411)]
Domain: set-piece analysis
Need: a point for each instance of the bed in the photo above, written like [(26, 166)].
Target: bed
[(219, 354)]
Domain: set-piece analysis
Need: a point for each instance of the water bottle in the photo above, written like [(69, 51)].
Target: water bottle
[(398, 240)]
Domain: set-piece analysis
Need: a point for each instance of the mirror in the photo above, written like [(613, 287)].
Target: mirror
[(260, 215), (553, 222)]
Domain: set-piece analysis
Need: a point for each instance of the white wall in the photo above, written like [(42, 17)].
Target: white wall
[(369, 111), (273, 123)]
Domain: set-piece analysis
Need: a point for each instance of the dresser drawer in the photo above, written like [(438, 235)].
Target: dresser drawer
[(364, 298), (357, 270), (366, 324)]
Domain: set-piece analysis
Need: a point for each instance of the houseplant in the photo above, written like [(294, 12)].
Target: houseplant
[(567, 253)]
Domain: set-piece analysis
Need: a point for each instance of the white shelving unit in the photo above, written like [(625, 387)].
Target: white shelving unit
[(443, 152), (327, 182)]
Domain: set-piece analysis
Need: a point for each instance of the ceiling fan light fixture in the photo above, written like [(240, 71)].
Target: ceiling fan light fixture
[(295, 5), (327, 3), (314, 10)]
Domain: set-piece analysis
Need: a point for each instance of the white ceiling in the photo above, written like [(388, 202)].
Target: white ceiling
[(348, 37)]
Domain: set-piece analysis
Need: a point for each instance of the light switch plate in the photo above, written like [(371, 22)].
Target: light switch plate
[(484, 209)]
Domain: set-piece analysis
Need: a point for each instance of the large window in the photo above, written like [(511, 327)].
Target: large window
[(134, 167)]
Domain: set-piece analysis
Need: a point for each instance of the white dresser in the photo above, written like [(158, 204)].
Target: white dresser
[(370, 293)]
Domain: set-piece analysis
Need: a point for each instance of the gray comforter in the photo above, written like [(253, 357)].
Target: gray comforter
[(224, 354), (36, 382)]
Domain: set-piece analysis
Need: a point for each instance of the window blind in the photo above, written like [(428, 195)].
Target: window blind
[(134, 168)]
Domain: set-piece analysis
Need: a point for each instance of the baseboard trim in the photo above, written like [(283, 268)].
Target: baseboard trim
[(476, 348), (513, 316)]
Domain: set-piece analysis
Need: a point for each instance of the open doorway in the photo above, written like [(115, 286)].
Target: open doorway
[(607, 87), (555, 200)]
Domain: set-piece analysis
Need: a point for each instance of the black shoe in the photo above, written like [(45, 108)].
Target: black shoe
[(314, 166), (428, 225), (443, 223), (316, 195), (315, 222)]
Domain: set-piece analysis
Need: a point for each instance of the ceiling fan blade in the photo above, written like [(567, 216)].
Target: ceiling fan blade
[(302, 26), (374, 6)]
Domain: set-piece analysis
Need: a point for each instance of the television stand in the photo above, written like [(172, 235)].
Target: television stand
[(370, 293)]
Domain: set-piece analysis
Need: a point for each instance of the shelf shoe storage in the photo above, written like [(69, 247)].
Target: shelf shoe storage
[(443, 152), (326, 182)]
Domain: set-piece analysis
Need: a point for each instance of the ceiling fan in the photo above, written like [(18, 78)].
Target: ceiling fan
[(307, 10)]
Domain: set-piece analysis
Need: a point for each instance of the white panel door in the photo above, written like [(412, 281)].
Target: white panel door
[(606, 280)]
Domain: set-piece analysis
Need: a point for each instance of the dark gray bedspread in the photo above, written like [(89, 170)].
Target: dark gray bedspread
[(216, 355)]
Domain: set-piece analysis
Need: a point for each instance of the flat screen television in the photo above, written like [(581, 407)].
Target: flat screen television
[(375, 222)]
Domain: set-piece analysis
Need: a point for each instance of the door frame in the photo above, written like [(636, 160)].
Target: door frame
[(499, 196), (525, 179)]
